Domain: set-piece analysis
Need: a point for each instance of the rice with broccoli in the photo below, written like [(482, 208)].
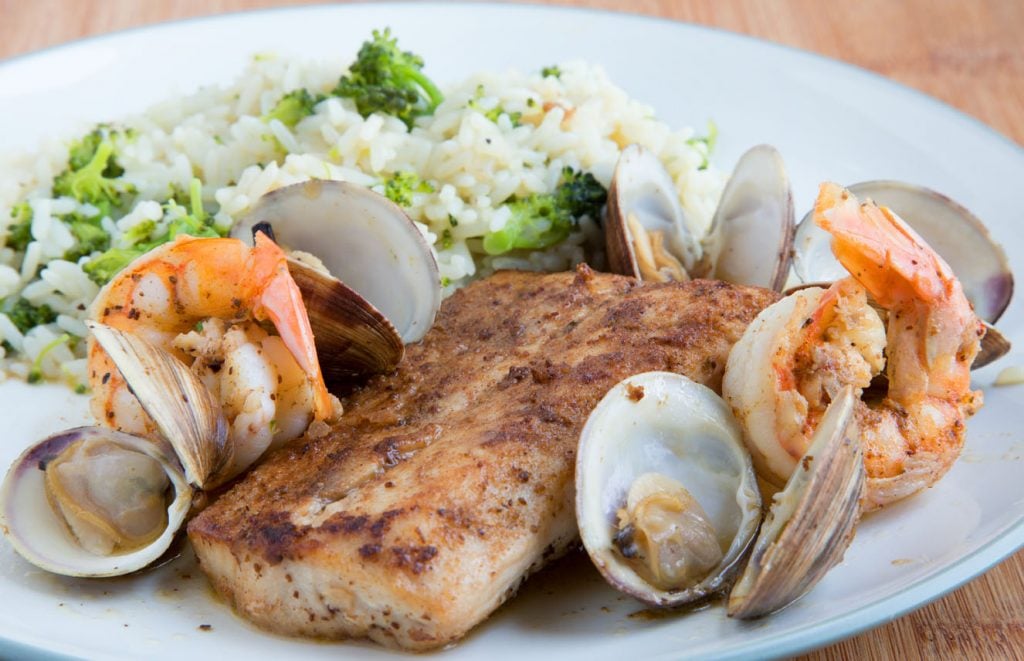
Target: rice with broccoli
[(503, 170)]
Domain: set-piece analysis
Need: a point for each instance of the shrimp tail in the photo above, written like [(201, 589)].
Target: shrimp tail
[(880, 250), (278, 299)]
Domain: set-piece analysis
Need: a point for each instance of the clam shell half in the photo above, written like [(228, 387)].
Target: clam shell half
[(812, 520), (751, 237), (186, 413), (641, 188)]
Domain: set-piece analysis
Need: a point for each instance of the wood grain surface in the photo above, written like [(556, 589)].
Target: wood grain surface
[(968, 54)]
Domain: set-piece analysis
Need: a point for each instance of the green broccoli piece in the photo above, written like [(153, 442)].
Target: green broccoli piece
[(705, 144), (140, 240), (551, 72), (542, 220), (89, 237), (19, 233), (293, 106), (402, 185), (103, 267), (536, 222), (139, 234), (387, 80), (92, 173), (24, 315), (581, 194), (35, 373), (197, 222)]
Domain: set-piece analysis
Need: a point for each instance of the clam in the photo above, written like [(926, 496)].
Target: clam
[(646, 231), (812, 520), (647, 234), (667, 502), (954, 232), (92, 501), (366, 242)]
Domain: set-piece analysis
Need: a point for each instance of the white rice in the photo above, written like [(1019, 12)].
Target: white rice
[(474, 166)]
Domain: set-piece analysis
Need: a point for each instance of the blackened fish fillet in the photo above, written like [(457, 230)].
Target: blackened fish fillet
[(451, 480)]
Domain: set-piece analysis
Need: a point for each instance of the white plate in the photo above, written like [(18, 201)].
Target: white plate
[(830, 121)]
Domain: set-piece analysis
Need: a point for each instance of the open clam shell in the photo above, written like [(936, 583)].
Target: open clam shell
[(954, 232), (660, 472), (40, 531), (812, 520), (643, 208), (364, 240), (751, 237)]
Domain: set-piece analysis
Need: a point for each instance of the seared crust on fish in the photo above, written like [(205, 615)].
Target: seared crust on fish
[(450, 480)]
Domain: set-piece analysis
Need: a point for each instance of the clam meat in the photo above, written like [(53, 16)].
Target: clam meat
[(93, 501), (666, 498)]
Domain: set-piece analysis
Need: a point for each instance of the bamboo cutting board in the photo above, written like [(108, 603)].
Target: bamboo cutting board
[(968, 54)]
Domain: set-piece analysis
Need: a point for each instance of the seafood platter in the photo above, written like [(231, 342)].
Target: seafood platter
[(431, 341)]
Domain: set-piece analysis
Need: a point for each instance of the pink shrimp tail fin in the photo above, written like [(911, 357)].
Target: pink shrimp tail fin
[(278, 299), (880, 250)]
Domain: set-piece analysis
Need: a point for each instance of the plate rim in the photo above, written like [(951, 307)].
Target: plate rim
[(808, 637)]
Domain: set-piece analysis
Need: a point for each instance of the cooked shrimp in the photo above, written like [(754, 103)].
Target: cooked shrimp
[(798, 353), (203, 300)]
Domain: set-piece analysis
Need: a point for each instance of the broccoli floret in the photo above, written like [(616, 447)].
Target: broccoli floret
[(102, 268), (139, 234), (92, 173), (402, 185), (542, 220), (705, 144), (536, 222), (293, 106), (187, 224), (551, 72), (89, 236), (197, 222), (140, 240), (35, 373), (19, 233), (24, 315), (387, 80)]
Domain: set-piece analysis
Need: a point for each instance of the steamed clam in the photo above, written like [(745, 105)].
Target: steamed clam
[(92, 501), (647, 234), (666, 498), (361, 239), (649, 237)]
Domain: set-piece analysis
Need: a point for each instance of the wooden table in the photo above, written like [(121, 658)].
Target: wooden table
[(968, 54)]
